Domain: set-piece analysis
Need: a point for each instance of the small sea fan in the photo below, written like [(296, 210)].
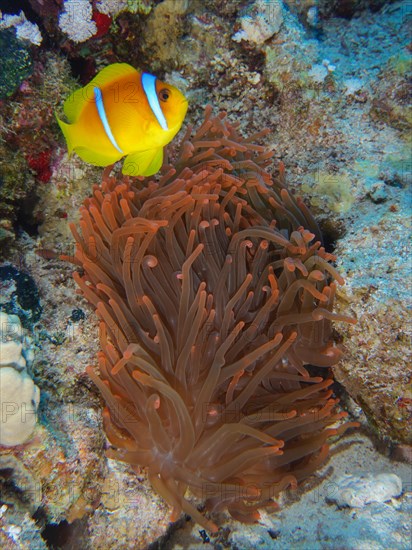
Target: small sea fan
[(212, 296)]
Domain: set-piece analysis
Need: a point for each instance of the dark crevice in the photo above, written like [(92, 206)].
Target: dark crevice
[(83, 68), (332, 232), (24, 215), (347, 9), (66, 536)]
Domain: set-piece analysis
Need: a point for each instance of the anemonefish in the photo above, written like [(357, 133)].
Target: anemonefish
[(123, 113)]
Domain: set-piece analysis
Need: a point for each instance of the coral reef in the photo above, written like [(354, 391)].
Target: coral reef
[(19, 399), (65, 458), (332, 86), (28, 145), (162, 31), (207, 345), (17, 192)]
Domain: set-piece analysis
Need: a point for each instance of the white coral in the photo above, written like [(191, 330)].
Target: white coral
[(10, 328), (19, 397), (10, 354), (76, 20), (262, 20), (25, 30), (11, 342), (112, 7)]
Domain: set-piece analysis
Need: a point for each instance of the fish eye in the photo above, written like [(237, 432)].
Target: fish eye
[(164, 94)]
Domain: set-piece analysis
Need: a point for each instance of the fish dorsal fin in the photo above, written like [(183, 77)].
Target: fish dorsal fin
[(76, 102)]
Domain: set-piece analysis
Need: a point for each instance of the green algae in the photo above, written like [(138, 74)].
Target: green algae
[(15, 63), (330, 190), (139, 6)]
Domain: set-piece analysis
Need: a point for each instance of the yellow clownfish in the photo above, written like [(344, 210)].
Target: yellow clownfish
[(123, 112)]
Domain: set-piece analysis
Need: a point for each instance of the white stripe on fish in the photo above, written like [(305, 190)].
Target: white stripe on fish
[(102, 114), (149, 87)]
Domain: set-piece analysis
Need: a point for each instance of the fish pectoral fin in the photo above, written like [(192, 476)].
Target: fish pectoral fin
[(143, 163), (96, 158)]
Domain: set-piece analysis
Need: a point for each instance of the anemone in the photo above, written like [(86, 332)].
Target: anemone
[(215, 299)]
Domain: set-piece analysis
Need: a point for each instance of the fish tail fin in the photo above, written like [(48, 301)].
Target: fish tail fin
[(75, 142), (67, 130)]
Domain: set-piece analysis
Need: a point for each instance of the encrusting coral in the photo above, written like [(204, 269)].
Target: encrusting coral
[(212, 295)]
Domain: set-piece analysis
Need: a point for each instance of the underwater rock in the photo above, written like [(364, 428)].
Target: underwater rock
[(391, 93), (375, 370), (353, 86), (162, 33), (357, 491), (18, 530), (377, 192), (402, 453), (318, 73), (28, 496), (129, 511), (260, 21)]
